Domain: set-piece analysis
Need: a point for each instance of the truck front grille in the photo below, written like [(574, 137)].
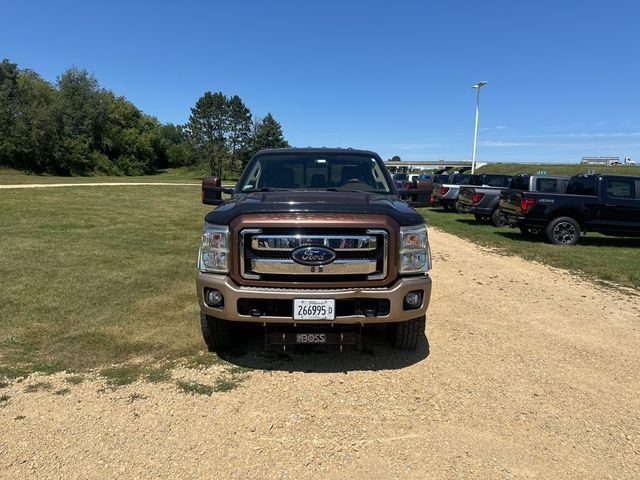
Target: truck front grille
[(265, 254)]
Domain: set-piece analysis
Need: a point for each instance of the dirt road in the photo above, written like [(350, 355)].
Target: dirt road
[(532, 373)]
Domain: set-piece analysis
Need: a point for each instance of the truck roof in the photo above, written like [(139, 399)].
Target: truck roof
[(318, 150)]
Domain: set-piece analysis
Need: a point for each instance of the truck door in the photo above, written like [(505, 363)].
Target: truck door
[(620, 211)]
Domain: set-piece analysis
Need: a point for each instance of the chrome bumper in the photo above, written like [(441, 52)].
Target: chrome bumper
[(395, 294)]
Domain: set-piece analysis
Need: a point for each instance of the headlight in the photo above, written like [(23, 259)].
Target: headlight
[(415, 256), (214, 251)]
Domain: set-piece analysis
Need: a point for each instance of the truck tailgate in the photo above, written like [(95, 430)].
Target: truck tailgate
[(510, 202), (465, 196)]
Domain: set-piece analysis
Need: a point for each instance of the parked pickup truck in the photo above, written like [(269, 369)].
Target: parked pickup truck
[(445, 195), (482, 196), (534, 183), (608, 204), (313, 244), (417, 189)]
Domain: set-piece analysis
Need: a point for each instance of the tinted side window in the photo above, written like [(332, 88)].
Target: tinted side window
[(621, 188), (497, 181), (582, 186), (461, 179), (520, 182), (546, 185)]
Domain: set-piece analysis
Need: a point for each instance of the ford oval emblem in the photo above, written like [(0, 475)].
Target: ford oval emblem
[(313, 255)]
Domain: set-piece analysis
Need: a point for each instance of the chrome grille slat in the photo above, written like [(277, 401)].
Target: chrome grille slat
[(283, 266), (286, 243)]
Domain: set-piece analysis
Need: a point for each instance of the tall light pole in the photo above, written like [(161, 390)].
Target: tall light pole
[(477, 86)]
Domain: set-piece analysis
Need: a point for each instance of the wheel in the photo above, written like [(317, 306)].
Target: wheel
[(406, 335), (530, 231), (498, 219), (217, 333), (563, 231), (448, 207), (480, 218)]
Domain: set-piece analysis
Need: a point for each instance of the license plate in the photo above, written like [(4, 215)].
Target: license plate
[(314, 309), (311, 338)]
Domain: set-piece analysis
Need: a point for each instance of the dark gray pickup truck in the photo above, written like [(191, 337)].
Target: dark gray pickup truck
[(482, 196)]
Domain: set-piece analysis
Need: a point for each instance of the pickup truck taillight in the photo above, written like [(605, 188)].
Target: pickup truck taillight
[(444, 190), (408, 185), (477, 196), (526, 204)]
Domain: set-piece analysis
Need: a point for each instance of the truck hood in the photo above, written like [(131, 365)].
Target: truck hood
[(314, 202)]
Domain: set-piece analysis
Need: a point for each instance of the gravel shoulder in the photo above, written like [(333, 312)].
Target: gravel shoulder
[(531, 372)]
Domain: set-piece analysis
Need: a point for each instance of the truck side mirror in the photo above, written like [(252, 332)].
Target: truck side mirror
[(211, 191)]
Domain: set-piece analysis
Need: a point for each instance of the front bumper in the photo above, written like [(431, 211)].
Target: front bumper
[(394, 293)]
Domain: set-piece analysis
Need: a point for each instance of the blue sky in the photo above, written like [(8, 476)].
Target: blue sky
[(395, 77)]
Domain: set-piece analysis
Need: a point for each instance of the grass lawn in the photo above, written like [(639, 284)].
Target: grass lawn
[(596, 256), (92, 276), (558, 169), (10, 176)]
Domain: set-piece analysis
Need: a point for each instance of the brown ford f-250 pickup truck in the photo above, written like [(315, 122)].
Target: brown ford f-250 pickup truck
[(313, 244)]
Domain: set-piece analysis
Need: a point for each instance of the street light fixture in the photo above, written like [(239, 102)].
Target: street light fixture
[(477, 86)]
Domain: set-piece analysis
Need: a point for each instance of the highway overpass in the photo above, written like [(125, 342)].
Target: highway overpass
[(431, 164)]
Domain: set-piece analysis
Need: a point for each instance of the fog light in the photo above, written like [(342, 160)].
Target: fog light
[(413, 299), (214, 297)]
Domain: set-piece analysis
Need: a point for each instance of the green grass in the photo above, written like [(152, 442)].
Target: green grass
[(596, 256), (75, 379), (195, 388), (92, 277), (558, 169), (194, 175), (37, 387)]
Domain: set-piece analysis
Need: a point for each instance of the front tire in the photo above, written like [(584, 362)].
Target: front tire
[(217, 334), (406, 335), (563, 231)]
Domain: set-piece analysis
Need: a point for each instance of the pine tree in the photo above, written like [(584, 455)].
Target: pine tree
[(239, 135), (208, 127), (268, 134)]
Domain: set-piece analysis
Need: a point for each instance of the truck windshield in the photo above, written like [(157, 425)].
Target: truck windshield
[(314, 171)]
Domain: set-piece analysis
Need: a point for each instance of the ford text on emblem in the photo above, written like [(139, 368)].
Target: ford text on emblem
[(313, 255)]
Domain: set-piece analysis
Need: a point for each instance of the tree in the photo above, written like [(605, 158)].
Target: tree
[(208, 126), (239, 136), (36, 127), (9, 106), (268, 134), (395, 158), (82, 116)]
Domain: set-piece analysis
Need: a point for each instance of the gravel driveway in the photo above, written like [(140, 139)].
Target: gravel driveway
[(532, 373)]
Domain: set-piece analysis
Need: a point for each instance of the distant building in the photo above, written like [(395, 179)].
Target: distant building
[(600, 161)]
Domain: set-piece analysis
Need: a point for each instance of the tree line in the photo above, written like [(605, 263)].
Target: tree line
[(75, 127)]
